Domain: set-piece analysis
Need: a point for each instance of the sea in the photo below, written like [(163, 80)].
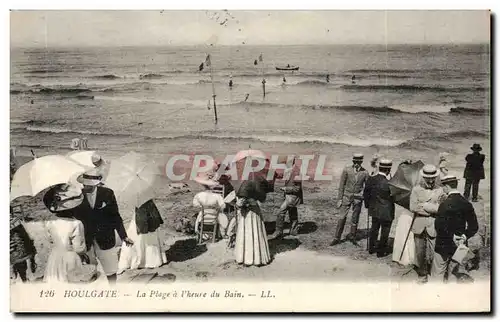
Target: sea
[(401, 101)]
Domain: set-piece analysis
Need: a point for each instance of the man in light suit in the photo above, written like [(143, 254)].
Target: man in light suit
[(350, 195), (378, 200), (101, 218), (424, 202)]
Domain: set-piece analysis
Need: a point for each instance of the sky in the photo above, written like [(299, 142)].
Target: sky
[(163, 28)]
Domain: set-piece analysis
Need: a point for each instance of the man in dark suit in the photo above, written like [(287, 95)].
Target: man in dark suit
[(474, 171), (455, 223), (378, 200), (293, 197), (100, 216)]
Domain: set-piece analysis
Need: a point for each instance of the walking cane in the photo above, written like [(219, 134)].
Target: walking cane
[(368, 229), (406, 239)]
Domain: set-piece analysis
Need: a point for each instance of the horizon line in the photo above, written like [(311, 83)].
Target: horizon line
[(254, 45)]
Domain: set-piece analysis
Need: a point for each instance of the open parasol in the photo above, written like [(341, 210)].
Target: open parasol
[(406, 177), (42, 173), (134, 178)]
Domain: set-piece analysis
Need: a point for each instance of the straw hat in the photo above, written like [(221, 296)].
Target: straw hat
[(90, 178), (449, 179), (357, 157), (97, 160), (385, 164), (429, 171), (63, 197)]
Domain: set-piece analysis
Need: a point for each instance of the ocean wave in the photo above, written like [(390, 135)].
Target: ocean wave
[(147, 100), (410, 109), (466, 110), (45, 71), (105, 76), (435, 140), (345, 140), (151, 76), (410, 88)]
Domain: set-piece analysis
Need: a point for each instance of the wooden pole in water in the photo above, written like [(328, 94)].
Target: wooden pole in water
[(213, 91)]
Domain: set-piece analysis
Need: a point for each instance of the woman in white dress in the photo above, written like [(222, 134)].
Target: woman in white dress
[(65, 262), (406, 256), (251, 247), (147, 250)]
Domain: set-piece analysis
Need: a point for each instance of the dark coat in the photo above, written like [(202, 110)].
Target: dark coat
[(101, 222), (255, 188), (147, 218), (377, 197), (456, 216), (474, 168), (22, 246)]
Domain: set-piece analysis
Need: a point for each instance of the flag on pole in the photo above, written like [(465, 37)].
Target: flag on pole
[(207, 61), (260, 58)]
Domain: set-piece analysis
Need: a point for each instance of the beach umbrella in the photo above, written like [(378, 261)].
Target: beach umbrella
[(134, 178), (243, 154), (406, 177), (83, 157), (42, 173)]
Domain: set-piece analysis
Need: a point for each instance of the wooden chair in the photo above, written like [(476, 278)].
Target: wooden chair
[(208, 222)]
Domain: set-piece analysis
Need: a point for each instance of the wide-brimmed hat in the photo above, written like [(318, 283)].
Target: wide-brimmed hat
[(63, 197), (92, 177), (476, 147), (97, 160), (429, 171), (385, 164), (206, 181), (449, 179), (358, 157)]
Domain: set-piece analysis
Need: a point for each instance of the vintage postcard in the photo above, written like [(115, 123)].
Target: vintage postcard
[(250, 161)]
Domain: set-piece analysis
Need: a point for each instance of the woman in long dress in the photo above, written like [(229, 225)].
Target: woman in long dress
[(406, 256), (147, 250), (65, 262), (403, 251), (251, 247)]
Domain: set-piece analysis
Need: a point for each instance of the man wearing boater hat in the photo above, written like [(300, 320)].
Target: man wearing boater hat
[(378, 200), (474, 171), (455, 224), (424, 202), (100, 216), (350, 195)]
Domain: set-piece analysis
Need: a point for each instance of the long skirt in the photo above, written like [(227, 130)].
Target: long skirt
[(147, 251), (66, 267), (404, 256), (251, 246)]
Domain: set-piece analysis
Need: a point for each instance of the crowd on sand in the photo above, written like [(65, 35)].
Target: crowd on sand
[(437, 234)]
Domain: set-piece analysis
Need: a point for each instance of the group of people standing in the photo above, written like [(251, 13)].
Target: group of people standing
[(82, 231), (442, 220)]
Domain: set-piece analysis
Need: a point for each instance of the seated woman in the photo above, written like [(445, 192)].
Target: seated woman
[(213, 207), (147, 250), (65, 262)]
